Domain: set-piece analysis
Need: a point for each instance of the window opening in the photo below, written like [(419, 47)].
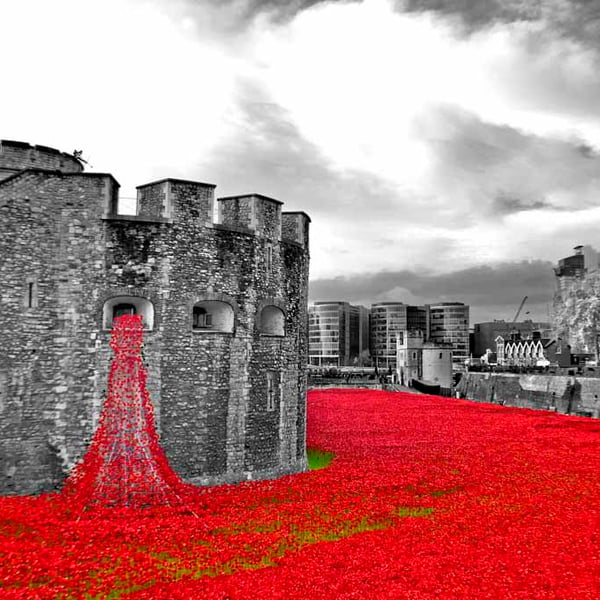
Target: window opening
[(118, 306), (269, 257), (270, 391), (123, 309), (272, 321), (30, 295), (201, 318)]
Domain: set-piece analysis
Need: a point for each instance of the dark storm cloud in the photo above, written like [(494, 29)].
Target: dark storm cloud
[(576, 19), (491, 291), (505, 205), (477, 13), (501, 170)]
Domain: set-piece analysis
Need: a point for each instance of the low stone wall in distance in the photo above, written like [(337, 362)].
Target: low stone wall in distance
[(559, 393)]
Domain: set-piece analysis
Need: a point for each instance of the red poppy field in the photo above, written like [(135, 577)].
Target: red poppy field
[(427, 497)]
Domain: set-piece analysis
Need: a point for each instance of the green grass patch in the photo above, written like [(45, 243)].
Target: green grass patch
[(318, 459), (413, 511)]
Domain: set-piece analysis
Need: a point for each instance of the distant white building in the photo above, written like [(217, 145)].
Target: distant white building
[(532, 352), (419, 359)]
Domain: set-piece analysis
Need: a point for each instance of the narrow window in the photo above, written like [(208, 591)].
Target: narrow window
[(30, 297), (414, 355), (269, 258), (201, 318), (440, 355), (123, 309), (270, 391)]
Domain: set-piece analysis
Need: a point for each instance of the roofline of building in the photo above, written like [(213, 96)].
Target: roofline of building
[(446, 304), (175, 180), (296, 212), (322, 302), (56, 173), (47, 149), (252, 195), (391, 304)]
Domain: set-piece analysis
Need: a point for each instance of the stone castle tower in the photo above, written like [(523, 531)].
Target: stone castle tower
[(224, 306)]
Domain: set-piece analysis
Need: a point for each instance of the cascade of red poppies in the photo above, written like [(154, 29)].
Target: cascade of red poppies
[(125, 464)]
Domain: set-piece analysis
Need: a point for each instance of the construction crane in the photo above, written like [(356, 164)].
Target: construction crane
[(520, 308)]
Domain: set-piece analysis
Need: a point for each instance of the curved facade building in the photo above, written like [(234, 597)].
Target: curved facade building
[(449, 324), (338, 334), (387, 319)]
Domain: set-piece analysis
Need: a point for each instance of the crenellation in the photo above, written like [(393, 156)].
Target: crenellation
[(295, 227), (237, 211)]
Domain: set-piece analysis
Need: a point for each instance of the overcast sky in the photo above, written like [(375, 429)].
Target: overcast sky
[(445, 150)]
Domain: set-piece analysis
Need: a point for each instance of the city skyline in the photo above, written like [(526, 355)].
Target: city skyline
[(445, 151)]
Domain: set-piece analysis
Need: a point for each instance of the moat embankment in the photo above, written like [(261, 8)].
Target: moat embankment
[(565, 394)]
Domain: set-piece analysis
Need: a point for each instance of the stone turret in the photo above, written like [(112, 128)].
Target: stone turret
[(17, 156)]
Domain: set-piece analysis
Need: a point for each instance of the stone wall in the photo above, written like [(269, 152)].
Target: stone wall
[(68, 255), (564, 394), (52, 267)]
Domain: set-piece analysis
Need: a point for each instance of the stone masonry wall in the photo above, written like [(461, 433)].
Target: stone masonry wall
[(237, 211), (563, 394), (152, 200), (53, 263)]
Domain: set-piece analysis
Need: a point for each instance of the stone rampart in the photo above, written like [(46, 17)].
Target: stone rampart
[(559, 393)]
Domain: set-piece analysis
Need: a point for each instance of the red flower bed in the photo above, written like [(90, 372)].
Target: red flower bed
[(427, 497)]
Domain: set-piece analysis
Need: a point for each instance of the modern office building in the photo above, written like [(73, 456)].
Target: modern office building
[(338, 334), (584, 261), (576, 291), (449, 324), (387, 319), (362, 314)]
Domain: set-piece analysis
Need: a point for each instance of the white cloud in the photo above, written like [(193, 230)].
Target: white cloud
[(444, 123), (115, 78)]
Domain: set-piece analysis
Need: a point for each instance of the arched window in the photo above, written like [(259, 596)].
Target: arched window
[(128, 305), (213, 315), (123, 309), (272, 321)]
